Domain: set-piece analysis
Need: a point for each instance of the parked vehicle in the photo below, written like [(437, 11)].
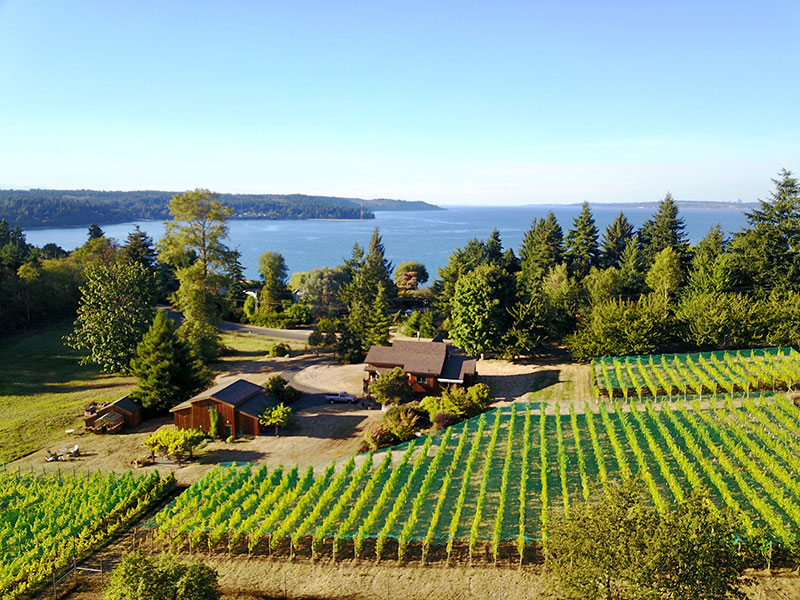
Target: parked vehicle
[(340, 398)]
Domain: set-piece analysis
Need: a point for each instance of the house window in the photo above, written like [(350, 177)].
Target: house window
[(422, 380)]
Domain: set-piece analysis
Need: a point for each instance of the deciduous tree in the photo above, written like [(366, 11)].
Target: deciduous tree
[(115, 311)]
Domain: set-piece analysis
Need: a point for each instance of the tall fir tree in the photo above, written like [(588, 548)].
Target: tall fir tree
[(711, 269), (616, 236), (139, 248), (665, 229), (542, 249), (581, 244), (494, 248), (768, 252), (376, 332), (165, 368), (632, 268)]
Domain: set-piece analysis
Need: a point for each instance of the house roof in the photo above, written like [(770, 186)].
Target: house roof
[(127, 404), (434, 358), (234, 393), (256, 404)]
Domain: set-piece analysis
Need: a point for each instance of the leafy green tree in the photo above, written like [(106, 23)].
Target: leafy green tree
[(277, 416), (479, 315), (319, 288), (273, 263), (622, 327), (527, 328), (582, 251), (622, 548), (460, 402), (391, 387), (114, 313), (196, 232), (616, 237), (166, 370), (603, 284), (410, 275), (175, 442), (541, 250), (561, 294), (664, 230), (718, 319), (139, 248), (141, 577), (665, 276), (780, 318)]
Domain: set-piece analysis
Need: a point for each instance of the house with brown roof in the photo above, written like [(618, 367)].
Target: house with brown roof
[(430, 365), (113, 417), (239, 403)]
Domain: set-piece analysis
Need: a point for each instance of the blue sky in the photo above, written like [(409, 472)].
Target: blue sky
[(451, 103)]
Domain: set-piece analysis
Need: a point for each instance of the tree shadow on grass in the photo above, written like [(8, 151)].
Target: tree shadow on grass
[(544, 379)]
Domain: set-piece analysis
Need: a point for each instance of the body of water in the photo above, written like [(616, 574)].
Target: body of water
[(425, 236)]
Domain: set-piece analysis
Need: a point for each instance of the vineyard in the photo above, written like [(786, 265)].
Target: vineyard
[(486, 489), (696, 374), (48, 522)]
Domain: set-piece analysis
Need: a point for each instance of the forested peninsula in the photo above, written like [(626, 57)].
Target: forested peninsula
[(80, 208)]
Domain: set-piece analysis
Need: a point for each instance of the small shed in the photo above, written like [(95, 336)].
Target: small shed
[(113, 417)]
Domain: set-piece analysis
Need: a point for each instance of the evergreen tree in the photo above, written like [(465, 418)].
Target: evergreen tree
[(166, 370), (631, 268), (461, 261), (616, 237), (767, 254), (711, 269), (376, 332), (377, 269), (581, 245), (95, 232), (664, 230), (542, 249), (139, 248), (494, 248)]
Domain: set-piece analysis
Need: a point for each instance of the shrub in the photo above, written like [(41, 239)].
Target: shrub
[(459, 402), (290, 394), (443, 420), (279, 388), (230, 439), (378, 437), (280, 350), (401, 422), (392, 387)]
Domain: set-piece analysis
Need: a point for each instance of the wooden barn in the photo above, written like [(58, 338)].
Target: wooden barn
[(430, 365), (239, 403), (113, 417)]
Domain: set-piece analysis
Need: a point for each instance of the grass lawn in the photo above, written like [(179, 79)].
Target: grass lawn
[(43, 390)]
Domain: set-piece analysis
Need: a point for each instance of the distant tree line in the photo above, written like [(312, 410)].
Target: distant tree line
[(72, 208), (624, 291)]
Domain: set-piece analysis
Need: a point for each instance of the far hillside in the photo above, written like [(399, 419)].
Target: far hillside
[(80, 208)]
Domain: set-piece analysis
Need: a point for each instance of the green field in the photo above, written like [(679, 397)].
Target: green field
[(44, 389), (699, 373), (484, 490), (48, 522)]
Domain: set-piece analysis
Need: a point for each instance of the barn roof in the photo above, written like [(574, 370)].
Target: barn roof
[(234, 393), (127, 404)]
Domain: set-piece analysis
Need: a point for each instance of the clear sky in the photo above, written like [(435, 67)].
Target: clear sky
[(451, 103)]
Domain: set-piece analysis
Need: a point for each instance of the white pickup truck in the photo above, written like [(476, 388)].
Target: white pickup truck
[(341, 397)]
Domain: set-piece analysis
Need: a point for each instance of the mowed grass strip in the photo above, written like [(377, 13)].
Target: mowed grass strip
[(44, 389)]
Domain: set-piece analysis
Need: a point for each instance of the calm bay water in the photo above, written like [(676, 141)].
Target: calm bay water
[(425, 236)]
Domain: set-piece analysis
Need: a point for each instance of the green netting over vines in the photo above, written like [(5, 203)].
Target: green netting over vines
[(700, 373), (491, 484)]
